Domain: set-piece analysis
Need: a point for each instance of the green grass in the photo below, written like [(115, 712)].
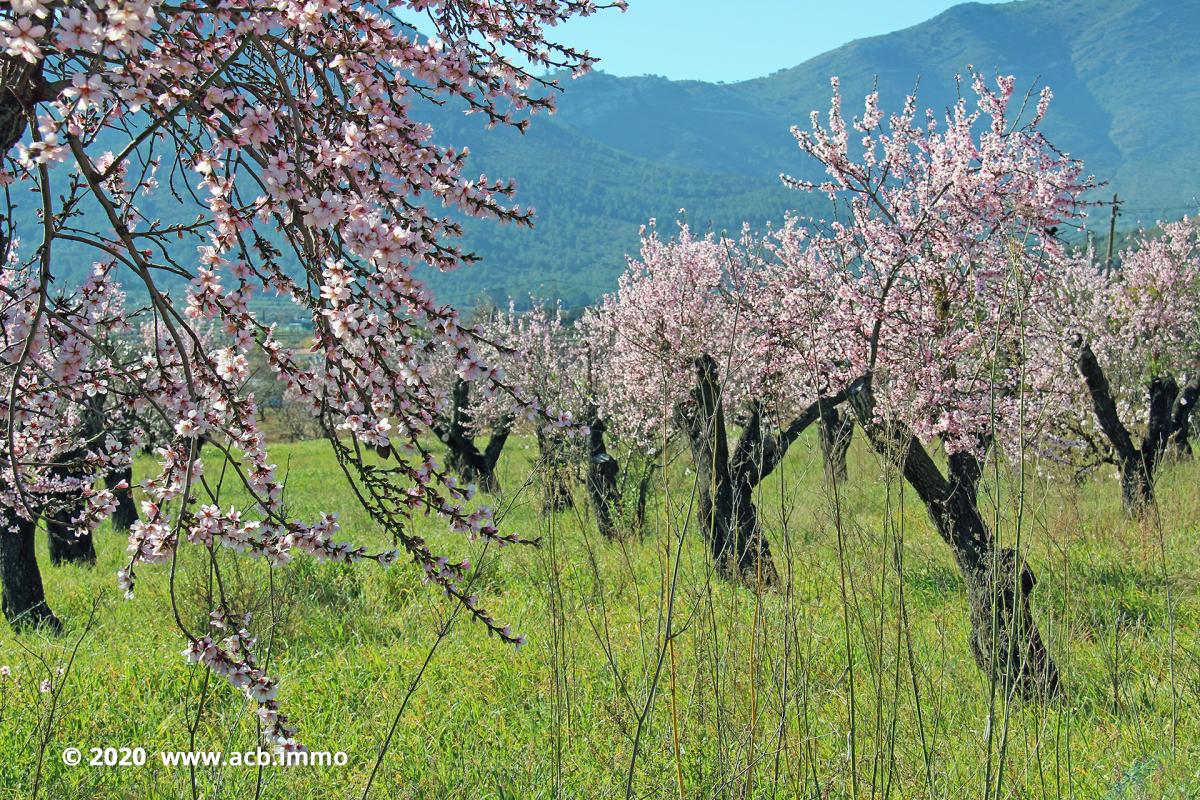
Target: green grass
[(757, 688)]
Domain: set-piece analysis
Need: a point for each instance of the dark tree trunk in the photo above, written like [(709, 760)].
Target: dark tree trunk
[(1168, 417), (21, 85), (491, 454), (463, 456), (837, 428), (602, 472), (727, 516), (555, 472), (1181, 419), (643, 493), (1005, 640), (64, 545), (24, 599), (126, 513)]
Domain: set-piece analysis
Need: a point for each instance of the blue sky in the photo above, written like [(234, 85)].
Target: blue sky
[(733, 40)]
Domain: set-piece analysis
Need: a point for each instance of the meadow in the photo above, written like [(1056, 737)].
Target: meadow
[(207, 156), (644, 675)]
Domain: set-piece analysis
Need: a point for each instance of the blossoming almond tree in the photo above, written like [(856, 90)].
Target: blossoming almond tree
[(286, 132), (946, 245), (621, 463), (527, 373), (110, 430), (1134, 338), (544, 362), (695, 343), (52, 449), (471, 407)]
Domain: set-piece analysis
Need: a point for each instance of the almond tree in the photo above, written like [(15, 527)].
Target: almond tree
[(945, 244), (470, 408), (111, 431), (51, 453), (1134, 339), (530, 377), (543, 361), (549, 371), (620, 462), (695, 345), (285, 137)]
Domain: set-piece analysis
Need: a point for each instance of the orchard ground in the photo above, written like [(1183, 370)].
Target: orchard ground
[(854, 681)]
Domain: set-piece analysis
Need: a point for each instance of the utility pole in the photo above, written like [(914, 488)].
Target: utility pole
[(1112, 234)]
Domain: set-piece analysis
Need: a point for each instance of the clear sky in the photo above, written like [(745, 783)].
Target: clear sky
[(731, 40)]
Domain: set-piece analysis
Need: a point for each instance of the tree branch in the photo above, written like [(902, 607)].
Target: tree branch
[(1105, 406), (897, 442)]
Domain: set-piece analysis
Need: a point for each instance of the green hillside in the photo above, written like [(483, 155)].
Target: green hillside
[(621, 150), (1126, 75)]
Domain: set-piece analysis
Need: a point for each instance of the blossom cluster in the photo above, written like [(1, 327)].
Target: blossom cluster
[(1141, 319), (931, 280), (291, 125), (946, 254)]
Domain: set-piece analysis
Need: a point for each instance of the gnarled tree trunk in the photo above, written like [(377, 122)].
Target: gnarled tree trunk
[(642, 494), (728, 517), (64, 545), (1168, 417), (555, 472), (837, 428), (23, 598), (1181, 418), (463, 456), (602, 489), (21, 86), (1005, 640)]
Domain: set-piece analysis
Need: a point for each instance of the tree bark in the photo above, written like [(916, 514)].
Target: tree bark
[(1005, 640), (1168, 418), (602, 489), (463, 456), (837, 428), (1181, 419), (64, 545), (21, 86), (643, 494), (23, 598), (556, 480), (727, 516), (126, 513)]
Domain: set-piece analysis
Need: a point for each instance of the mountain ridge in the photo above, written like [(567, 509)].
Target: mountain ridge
[(1122, 72), (623, 150)]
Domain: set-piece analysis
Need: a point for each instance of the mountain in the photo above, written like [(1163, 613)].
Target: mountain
[(620, 151), (1125, 74), (591, 201)]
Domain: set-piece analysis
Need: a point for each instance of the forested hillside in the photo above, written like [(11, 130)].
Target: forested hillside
[(1124, 74), (621, 151)]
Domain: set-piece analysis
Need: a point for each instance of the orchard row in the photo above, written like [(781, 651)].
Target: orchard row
[(936, 308)]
